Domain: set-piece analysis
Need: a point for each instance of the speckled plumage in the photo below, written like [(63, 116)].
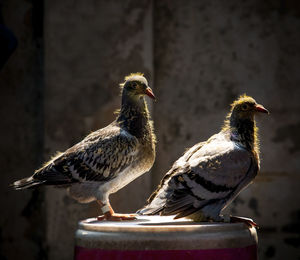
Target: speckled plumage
[(109, 158), (211, 174)]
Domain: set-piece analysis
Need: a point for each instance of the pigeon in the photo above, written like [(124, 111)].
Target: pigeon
[(211, 174), (107, 159)]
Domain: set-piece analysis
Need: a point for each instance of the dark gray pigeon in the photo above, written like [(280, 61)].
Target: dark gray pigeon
[(211, 174), (107, 159)]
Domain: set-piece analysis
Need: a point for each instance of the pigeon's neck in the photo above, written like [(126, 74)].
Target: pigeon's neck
[(243, 131), (134, 117)]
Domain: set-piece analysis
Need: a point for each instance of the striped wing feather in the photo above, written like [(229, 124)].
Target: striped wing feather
[(99, 157), (213, 179), (210, 173)]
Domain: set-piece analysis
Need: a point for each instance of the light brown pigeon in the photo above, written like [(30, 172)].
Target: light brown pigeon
[(107, 159)]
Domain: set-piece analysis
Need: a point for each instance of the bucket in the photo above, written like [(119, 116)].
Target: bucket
[(156, 237)]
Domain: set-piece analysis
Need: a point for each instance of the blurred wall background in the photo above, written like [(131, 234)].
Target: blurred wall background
[(62, 83)]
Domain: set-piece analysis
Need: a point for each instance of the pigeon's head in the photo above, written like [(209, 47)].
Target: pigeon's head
[(136, 86), (245, 107)]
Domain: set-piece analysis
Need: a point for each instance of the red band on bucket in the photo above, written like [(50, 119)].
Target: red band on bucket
[(245, 253)]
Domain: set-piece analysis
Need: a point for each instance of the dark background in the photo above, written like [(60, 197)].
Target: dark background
[(62, 83)]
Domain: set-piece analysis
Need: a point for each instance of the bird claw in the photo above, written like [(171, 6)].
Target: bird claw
[(247, 221), (116, 217), (110, 215)]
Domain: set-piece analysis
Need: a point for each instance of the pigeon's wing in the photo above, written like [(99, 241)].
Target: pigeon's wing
[(158, 198), (178, 164), (106, 158), (212, 174), (99, 157)]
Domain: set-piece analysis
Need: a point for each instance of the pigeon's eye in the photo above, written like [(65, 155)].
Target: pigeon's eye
[(245, 106)]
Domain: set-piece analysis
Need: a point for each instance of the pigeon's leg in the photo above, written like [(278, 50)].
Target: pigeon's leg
[(248, 221), (109, 214)]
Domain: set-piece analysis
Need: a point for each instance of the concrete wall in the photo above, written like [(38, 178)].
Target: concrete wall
[(199, 56), (22, 217), (206, 53), (89, 48)]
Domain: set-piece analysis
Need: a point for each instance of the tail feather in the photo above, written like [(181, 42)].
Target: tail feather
[(155, 206), (26, 183), (148, 210)]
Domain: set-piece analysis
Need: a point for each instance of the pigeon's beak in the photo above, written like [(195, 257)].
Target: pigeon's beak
[(260, 108), (149, 93)]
